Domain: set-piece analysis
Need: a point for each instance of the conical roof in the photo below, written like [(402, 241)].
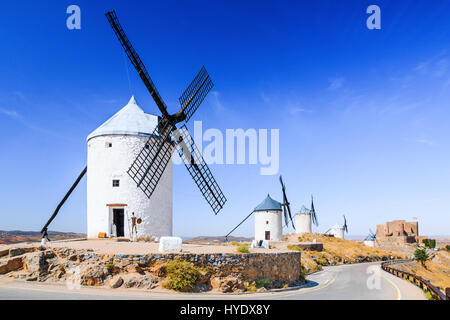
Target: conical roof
[(131, 119), (268, 205)]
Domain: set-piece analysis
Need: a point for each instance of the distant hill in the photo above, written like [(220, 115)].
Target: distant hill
[(17, 236), (211, 239)]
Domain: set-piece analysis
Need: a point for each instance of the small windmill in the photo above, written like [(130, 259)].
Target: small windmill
[(372, 236), (271, 205), (338, 231), (305, 218)]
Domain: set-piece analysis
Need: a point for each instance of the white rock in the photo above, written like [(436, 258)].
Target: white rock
[(170, 244)]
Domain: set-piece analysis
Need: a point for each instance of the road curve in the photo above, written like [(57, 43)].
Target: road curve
[(347, 282)]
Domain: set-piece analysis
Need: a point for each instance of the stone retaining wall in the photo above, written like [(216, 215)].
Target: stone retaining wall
[(228, 272)]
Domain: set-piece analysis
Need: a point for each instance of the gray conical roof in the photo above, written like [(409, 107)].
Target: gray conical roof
[(268, 205)]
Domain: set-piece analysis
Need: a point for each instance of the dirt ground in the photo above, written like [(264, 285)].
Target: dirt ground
[(114, 247)]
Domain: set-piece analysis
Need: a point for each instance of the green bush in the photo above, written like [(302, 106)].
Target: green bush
[(243, 248), (263, 283), (109, 266), (293, 247), (447, 247), (421, 256), (429, 243), (181, 275)]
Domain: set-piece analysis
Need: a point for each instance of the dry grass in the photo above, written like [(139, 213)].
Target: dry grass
[(436, 270)]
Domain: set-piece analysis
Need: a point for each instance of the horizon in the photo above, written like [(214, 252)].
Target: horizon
[(362, 114)]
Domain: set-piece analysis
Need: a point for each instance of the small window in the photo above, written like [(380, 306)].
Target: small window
[(267, 222), (116, 183), (108, 145)]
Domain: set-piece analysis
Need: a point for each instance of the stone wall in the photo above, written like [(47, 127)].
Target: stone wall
[(228, 272)]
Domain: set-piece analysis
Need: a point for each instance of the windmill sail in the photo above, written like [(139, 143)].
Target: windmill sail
[(313, 213), (198, 169), (195, 93), (286, 206), (151, 162)]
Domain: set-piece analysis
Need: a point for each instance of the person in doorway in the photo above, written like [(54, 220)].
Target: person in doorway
[(133, 224)]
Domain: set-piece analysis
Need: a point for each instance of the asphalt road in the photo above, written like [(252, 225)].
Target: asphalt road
[(347, 282)]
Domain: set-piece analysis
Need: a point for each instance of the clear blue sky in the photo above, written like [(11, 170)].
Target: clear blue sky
[(363, 114)]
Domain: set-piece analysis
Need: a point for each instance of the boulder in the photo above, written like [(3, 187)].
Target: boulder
[(170, 244), (11, 264), (147, 282), (131, 282), (92, 275), (116, 282), (36, 263), (4, 252)]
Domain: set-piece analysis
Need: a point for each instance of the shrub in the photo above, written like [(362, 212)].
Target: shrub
[(234, 243), (429, 243), (322, 261), (181, 275), (421, 256), (263, 283), (243, 248), (293, 247), (250, 287), (447, 247), (109, 266)]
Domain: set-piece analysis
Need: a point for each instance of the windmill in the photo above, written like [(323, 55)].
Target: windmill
[(338, 231), (274, 208), (152, 160), (305, 218), (372, 236)]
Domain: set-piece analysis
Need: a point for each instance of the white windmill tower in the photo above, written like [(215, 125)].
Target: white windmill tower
[(305, 218), (269, 217), (338, 231), (112, 195)]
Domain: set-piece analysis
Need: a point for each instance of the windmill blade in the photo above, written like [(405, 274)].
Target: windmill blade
[(313, 213), (136, 61), (290, 215), (286, 205), (197, 168), (149, 165), (195, 93), (345, 224)]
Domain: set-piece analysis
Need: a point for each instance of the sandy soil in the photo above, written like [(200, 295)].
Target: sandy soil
[(114, 247)]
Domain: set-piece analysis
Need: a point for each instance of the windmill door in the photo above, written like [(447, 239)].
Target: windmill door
[(119, 222), (267, 237)]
